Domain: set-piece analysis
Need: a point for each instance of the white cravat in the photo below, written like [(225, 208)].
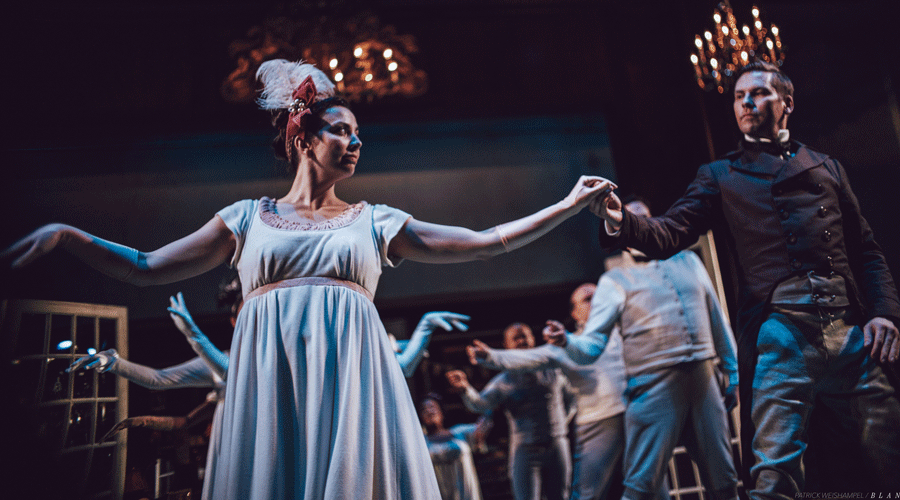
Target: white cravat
[(783, 136)]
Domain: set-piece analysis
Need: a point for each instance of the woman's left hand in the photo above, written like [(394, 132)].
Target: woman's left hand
[(587, 188)]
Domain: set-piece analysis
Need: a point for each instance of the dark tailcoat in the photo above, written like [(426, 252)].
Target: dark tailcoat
[(783, 211)]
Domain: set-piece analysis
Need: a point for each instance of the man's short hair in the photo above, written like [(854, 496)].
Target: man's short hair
[(634, 197), (780, 81)]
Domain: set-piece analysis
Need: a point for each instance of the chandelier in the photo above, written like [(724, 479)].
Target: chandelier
[(720, 53), (365, 60)]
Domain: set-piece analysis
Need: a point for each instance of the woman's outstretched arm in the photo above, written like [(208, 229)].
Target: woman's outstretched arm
[(435, 243), (192, 373), (211, 245)]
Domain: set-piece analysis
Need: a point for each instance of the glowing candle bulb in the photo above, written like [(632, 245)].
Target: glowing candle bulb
[(333, 63), (392, 66), (388, 53), (357, 52), (339, 77)]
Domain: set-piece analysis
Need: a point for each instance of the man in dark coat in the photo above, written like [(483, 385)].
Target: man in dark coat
[(809, 274)]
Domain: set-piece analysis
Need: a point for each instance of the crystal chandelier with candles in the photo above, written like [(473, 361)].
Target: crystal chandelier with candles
[(720, 53), (365, 59)]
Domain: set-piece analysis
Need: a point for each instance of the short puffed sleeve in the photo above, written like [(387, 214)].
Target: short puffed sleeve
[(238, 218), (386, 223)]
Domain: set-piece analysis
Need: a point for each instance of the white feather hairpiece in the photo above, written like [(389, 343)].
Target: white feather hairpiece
[(280, 77)]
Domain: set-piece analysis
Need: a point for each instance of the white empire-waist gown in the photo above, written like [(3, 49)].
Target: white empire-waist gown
[(316, 406)]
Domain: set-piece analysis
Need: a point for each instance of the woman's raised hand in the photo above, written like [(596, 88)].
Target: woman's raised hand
[(37, 244), (441, 319), (180, 315), (589, 188)]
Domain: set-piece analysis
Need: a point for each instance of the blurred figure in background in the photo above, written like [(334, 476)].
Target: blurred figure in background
[(672, 328), (537, 408), (451, 450), (599, 391)]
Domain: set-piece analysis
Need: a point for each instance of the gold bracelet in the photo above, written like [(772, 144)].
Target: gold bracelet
[(503, 240)]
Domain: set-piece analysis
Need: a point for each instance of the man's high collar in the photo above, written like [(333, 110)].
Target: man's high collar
[(784, 135), (780, 148)]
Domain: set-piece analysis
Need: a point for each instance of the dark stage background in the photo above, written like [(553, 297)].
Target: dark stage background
[(107, 99)]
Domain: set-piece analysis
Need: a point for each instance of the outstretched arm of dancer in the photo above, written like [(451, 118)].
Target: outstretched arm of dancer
[(200, 343), (412, 355), (475, 434), (165, 424), (153, 422), (606, 309), (479, 402), (193, 373), (435, 243), (536, 358), (208, 247)]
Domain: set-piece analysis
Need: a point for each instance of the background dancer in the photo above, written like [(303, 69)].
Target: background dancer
[(536, 406), (451, 450), (672, 328), (599, 390)]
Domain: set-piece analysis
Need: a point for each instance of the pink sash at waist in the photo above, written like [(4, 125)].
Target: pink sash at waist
[(310, 281)]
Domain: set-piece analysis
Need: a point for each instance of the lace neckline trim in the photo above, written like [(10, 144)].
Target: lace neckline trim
[(270, 217)]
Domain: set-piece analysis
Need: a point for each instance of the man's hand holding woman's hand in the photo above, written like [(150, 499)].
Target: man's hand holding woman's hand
[(608, 208), (587, 189)]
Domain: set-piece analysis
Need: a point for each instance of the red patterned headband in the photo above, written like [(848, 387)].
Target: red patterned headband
[(303, 98)]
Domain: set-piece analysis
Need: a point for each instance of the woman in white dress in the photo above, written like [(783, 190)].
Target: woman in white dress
[(316, 405)]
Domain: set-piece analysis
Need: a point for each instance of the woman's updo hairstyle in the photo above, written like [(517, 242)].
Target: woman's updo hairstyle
[(280, 78)]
